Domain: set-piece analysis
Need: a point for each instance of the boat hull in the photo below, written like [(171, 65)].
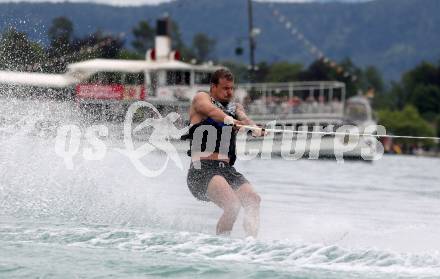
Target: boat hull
[(361, 148)]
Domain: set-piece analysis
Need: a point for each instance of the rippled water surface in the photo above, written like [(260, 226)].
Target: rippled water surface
[(320, 219)]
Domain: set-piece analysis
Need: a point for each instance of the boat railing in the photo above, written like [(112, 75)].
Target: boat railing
[(295, 99)]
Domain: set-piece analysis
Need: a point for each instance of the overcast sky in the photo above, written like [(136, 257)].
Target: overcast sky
[(141, 2)]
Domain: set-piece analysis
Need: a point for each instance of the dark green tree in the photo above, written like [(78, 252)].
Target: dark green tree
[(176, 35), (426, 98), (239, 70), (421, 87), (99, 45), (262, 71), (18, 53), (178, 44), (397, 96), (283, 72), (318, 70), (203, 46), (111, 46), (424, 73), (143, 37), (437, 127), (60, 34), (130, 55), (373, 79), (323, 70), (406, 122), (354, 80)]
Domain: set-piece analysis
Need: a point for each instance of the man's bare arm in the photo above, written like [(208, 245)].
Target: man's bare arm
[(244, 119), (241, 115), (202, 104)]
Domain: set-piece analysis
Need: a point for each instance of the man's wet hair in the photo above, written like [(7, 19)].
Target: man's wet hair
[(221, 73)]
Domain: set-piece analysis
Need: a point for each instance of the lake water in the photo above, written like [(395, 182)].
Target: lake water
[(319, 219)]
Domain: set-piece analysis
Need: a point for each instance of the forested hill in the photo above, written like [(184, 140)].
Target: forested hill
[(393, 35)]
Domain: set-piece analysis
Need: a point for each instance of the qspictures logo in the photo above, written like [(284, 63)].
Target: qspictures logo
[(68, 140), (290, 144)]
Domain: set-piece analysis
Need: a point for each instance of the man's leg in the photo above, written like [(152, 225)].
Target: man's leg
[(250, 201), (221, 193)]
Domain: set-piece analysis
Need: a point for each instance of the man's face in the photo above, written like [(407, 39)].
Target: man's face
[(223, 91)]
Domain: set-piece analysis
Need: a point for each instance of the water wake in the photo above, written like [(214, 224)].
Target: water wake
[(206, 248)]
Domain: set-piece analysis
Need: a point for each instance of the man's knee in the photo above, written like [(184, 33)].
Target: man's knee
[(252, 199), (255, 199)]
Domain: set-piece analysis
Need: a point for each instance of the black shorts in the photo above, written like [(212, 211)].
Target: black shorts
[(200, 175)]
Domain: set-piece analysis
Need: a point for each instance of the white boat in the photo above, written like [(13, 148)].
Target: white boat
[(315, 107)]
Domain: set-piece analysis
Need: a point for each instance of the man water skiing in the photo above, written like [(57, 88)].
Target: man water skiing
[(214, 117)]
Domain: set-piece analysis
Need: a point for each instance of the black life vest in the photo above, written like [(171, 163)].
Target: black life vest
[(225, 136)]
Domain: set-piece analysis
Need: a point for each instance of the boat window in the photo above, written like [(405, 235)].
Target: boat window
[(111, 78), (134, 78), (202, 77), (178, 77), (357, 112), (105, 78), (95, 78)]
